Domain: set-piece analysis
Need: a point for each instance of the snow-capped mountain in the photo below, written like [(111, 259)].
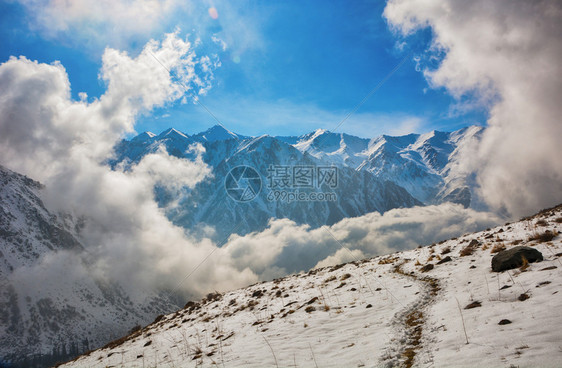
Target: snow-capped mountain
[(373, 174), (217, 133), (41, 322), (440, 305)]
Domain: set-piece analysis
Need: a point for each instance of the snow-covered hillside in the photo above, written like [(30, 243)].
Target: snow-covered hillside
[(438, 305), (373, 174)]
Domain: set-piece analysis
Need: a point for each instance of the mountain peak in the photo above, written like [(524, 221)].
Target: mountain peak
[(216, 133), (143, 137), (172, 132)]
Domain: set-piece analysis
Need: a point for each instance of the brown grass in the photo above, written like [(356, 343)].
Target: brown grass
[(466, 251), (414, 321), (497, 248), (525, 264), (388, 260), (543, 237), (331, 278), (345, 276)]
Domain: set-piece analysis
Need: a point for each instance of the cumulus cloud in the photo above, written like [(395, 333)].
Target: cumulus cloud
[(64, 144), (505, 54)]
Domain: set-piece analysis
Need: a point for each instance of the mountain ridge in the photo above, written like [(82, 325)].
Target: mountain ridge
[(409, 170)]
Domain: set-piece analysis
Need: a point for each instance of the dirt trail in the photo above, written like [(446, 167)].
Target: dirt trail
[(402, 351)]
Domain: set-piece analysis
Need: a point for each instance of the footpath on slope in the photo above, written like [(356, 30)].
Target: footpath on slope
[(403, 349)]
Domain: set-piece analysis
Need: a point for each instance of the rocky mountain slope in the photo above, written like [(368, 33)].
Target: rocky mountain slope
[(42, 322), (372, 174), (437, 305)]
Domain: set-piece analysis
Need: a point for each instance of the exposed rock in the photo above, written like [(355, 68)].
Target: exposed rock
[(474, 304), (513, 258), (427, 267), (474, 243), (446, 259)]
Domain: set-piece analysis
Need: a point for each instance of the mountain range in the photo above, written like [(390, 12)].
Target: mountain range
[(375, 174)]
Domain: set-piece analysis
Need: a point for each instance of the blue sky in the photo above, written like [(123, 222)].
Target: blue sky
[(287, 68)]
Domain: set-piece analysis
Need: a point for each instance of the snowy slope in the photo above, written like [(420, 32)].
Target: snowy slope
[(384, 311), (39, 316)]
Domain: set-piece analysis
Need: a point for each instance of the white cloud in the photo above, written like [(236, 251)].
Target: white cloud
[(341, 256), (506, 53), (63, 143), (93, 25), (100, 20), (287, 247), (171, 172), (219, 42)]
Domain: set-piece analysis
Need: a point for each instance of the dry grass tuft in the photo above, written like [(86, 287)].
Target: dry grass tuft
[(543, 237), (525, 264), (388, 260), (466, 251), (329, 279), (498, 248)]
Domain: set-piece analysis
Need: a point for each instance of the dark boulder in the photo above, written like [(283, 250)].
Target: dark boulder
[(513, 258), (428, 267)]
